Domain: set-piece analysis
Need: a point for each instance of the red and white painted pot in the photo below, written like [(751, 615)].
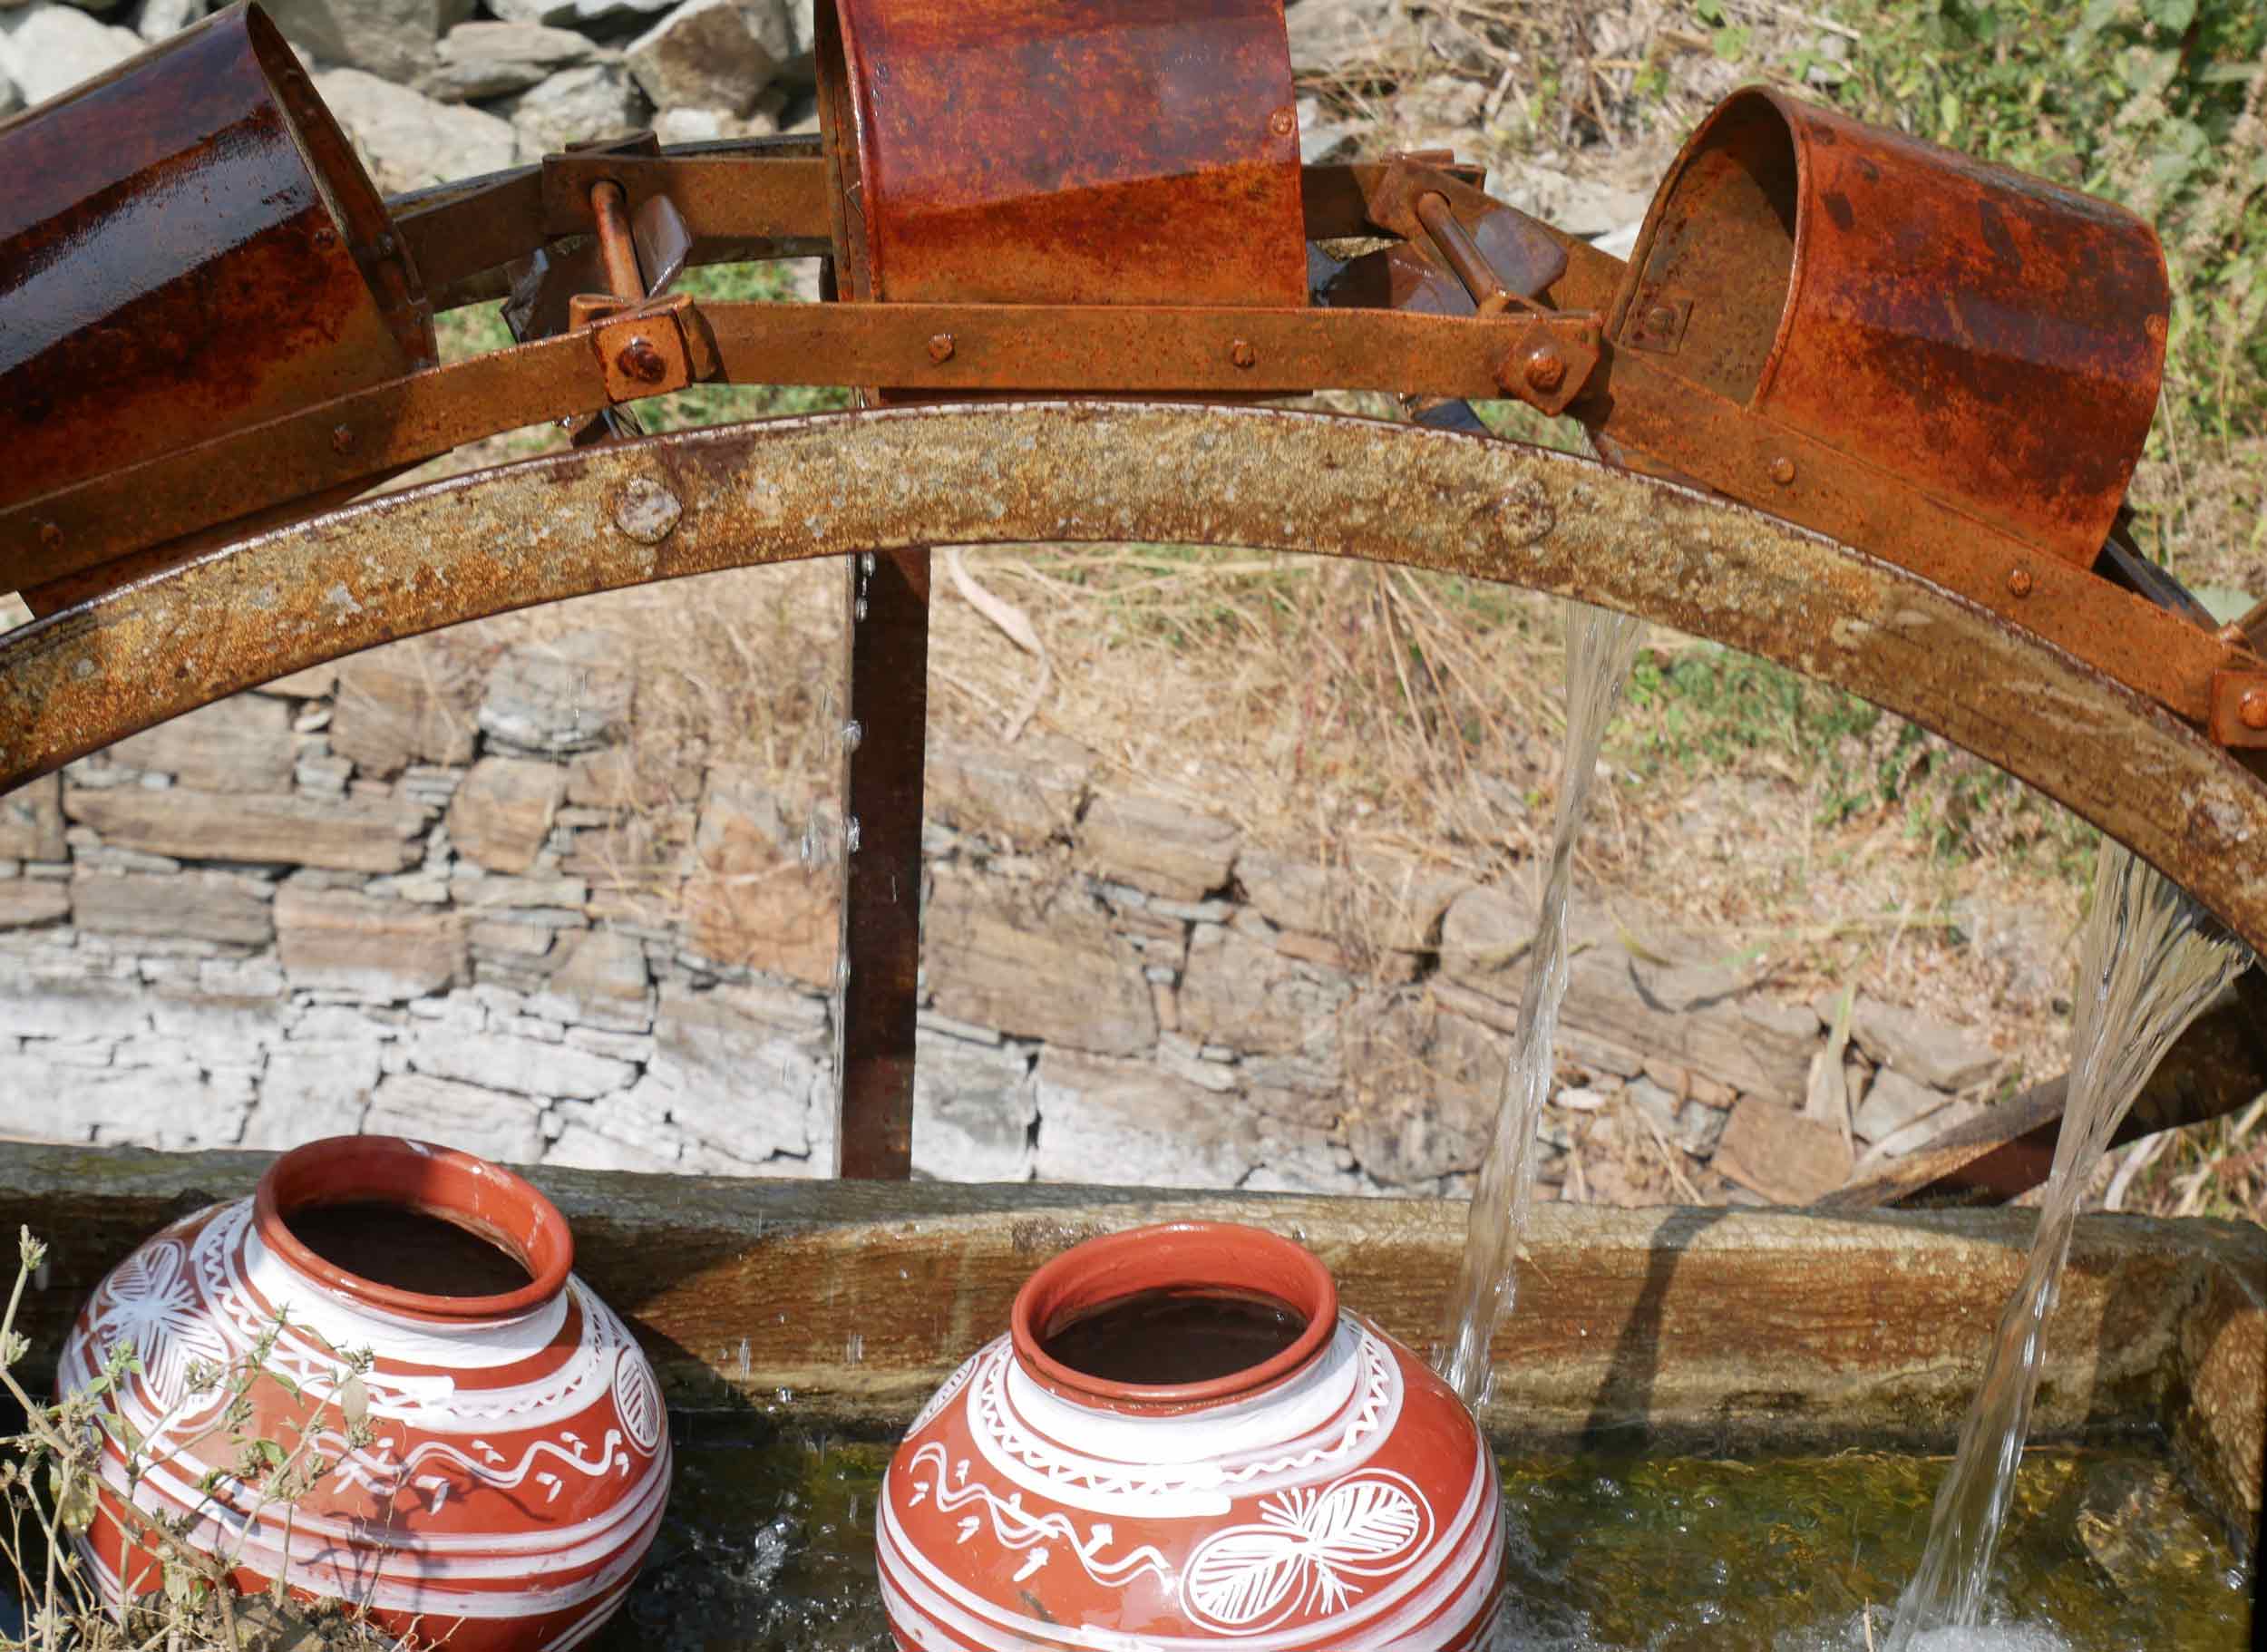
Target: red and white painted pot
[(518, 1452), (1333, 1497)]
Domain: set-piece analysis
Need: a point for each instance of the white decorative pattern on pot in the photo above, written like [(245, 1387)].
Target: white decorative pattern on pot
[(1311, 1488), (514, 1457)]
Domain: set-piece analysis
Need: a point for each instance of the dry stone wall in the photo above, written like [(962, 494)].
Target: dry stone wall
[(468, 901), (400, 895)]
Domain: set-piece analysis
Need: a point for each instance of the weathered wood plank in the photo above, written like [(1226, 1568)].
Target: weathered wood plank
[(1776, 1327)]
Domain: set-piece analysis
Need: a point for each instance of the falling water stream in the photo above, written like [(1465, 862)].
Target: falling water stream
[(1600, 648), (2152, 961)]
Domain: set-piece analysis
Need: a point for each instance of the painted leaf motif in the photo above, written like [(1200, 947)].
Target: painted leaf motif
[(154, 1306), (1239, 1576), (1249, 1578)]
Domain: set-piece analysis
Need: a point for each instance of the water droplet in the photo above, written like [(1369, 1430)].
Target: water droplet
[(853, 734), (859, 611), (865, 561), (850, 834)]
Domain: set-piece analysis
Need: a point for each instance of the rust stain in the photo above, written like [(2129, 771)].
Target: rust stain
[(1010, 472), (187, 246), (1074, 153)]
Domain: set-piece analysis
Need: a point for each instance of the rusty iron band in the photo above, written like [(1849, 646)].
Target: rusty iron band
[(1002, 473)]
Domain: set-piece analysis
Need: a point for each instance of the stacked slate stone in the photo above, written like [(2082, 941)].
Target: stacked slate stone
[(406, 894)]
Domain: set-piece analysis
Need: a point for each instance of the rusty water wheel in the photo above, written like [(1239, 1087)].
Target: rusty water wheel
[(899, 479)]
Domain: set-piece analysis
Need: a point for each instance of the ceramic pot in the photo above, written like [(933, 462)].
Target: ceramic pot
[(513, 1460), (1331, 1495)]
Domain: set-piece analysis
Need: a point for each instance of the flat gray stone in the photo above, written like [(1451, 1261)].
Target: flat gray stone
[(1126, 1124), (1023, 795), (491, 1123), (241, 743), (195, 906), (308, 1093), (1044, 966), (49, 49), (486, 60), (705, 54), (1241, 992), (973, 1107), (1892, 1101), (31, 821), (1907, 1041), (384, 950), (408, 141), (393, 38), (525, 1066), (28, 903), (1157, 844), (501, 815), (349, 835), (575, 105)]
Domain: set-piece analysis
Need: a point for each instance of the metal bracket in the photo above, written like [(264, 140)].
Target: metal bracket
[(647, 348), (1552, 359), (1526, 259), (568, 175)]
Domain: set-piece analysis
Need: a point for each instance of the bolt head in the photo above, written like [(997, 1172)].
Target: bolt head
[(1283, 122), (2019, 582), (940, 347), (1546, 370), (1782, 469), (2250, 711), (1660, 320), (50, 535), (342, 439), (1243, 353), (640, 361)]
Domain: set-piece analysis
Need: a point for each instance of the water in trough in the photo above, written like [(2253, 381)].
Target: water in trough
[(768, 1547), (2151, 960)]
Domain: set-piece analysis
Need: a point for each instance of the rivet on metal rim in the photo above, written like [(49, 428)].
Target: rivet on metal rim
[(1283, 122), (1242, 353), (2019, 582), (1782, 469), (50, 535), (342, 438), (1546, 370), (940, 347), (2250, 711), (1526, 512), (646, 510)]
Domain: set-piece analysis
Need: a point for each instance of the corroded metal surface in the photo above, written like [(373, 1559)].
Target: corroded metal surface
[(188, 246), (885, 750), (1016, 472), (1136, 349), (1773, 1329), (1985, 337), (1076, 152), (1634, 404)]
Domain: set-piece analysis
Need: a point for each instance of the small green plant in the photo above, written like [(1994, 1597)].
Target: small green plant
[(52, 1487)]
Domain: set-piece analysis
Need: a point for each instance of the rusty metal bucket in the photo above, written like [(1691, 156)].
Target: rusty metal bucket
[(188, 246), (1987, 337), (1079, 152)]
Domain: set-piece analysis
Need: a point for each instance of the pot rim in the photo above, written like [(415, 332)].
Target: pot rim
[(1194, 1254), (432, 1180)]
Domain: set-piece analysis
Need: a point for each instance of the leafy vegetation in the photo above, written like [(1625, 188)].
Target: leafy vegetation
[(2156, 104), (51, 1482)]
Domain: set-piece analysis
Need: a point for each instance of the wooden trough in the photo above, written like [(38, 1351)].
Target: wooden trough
[(1709, 1329)]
